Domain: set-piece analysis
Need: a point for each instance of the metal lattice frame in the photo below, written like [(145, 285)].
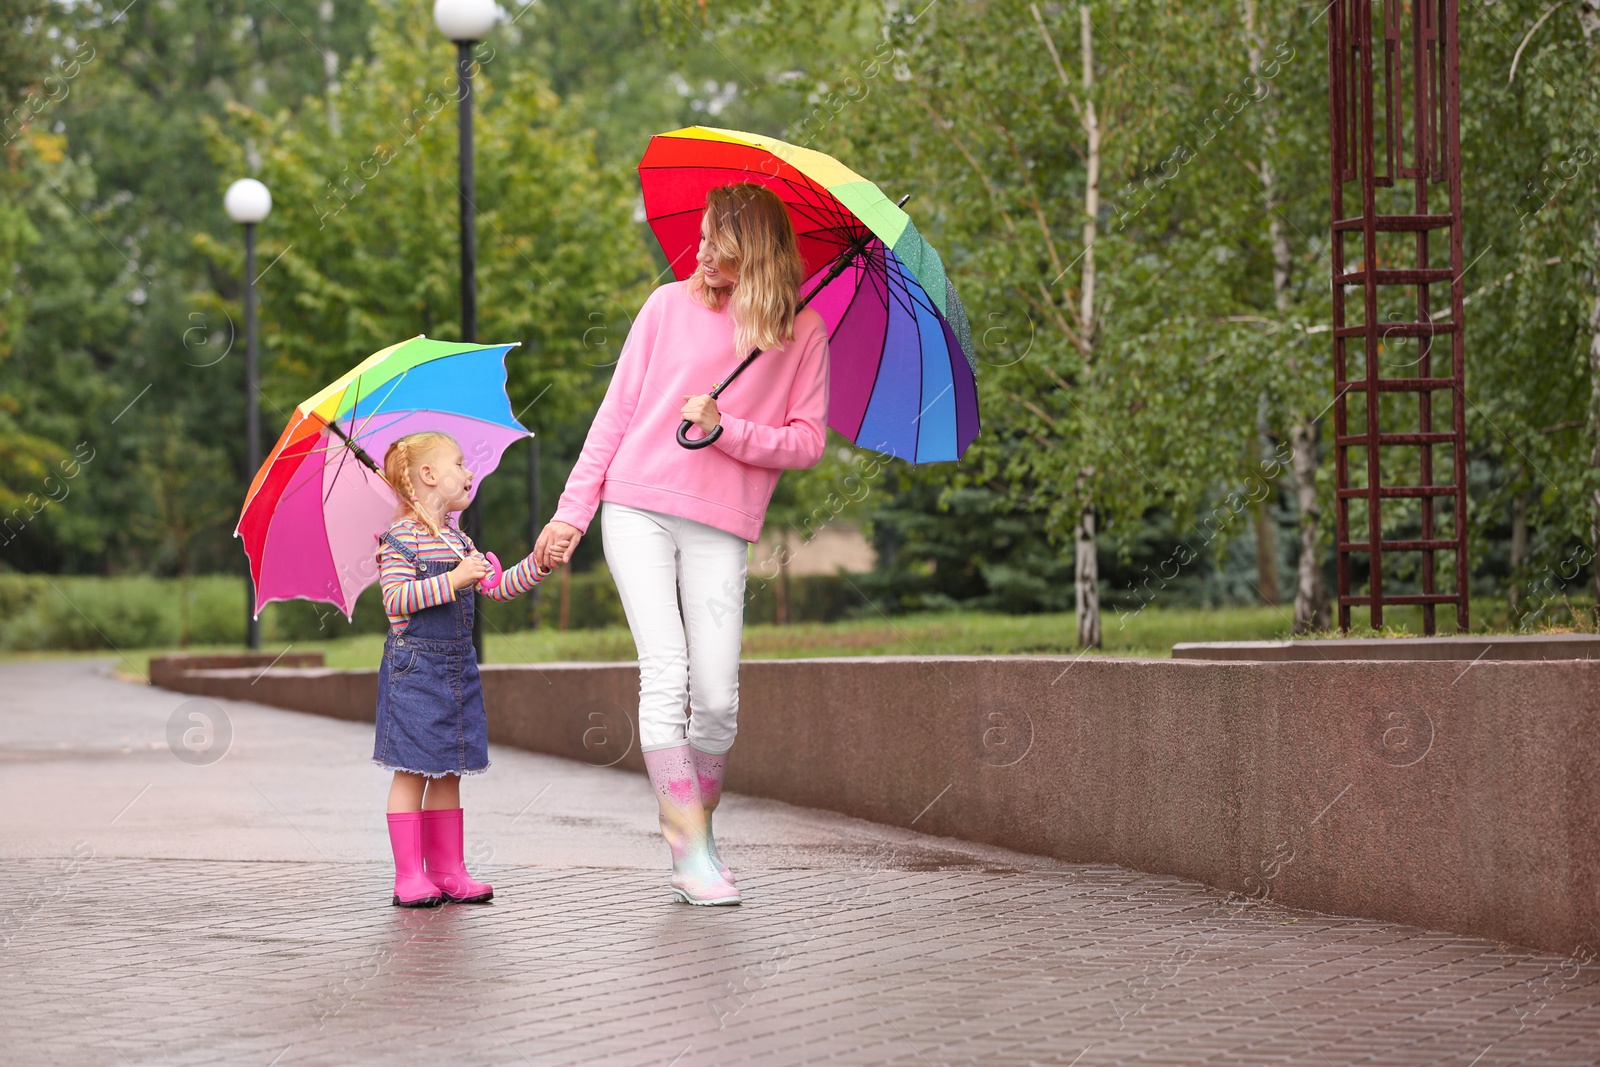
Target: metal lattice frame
[(1420, 89)]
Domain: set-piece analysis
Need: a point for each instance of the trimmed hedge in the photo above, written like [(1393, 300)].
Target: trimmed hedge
[(73, 612)]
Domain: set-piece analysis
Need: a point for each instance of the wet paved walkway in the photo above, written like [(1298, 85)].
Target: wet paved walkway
[(233, 910)]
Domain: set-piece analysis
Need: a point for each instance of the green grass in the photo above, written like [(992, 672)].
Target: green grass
[(1151, 632), (1148, 633), (1490, 617)]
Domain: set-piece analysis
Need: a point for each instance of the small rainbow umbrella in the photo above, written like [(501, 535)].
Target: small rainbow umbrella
[(318, 504), (901, 374)]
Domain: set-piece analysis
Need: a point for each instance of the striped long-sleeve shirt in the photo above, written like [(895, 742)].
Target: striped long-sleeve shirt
[(405, 594)]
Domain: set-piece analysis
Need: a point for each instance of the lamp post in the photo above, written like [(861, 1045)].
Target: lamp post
[(533, 521), (247, 202), (466, 22)]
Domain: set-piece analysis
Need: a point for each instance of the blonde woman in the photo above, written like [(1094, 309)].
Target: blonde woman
[(680, 521)]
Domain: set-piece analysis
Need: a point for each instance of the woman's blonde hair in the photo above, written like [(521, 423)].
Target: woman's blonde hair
[(402, 460), (750, 231)]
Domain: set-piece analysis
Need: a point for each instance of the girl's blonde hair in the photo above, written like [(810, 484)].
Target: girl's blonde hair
[(750, 231), (402, 459)]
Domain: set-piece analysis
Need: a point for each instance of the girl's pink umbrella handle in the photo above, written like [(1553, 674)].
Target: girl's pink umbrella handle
[(494, 572)]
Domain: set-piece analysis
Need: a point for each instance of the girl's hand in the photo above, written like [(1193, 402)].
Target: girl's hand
[(557, 541), (558, 556), (702, 411), (563, 548), (469, 571)]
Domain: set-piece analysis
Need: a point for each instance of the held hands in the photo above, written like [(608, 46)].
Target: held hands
[(557, 542), (470, 571), (702, 411)]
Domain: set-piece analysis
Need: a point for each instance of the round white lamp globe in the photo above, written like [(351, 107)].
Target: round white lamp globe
[(247, 201), (465, 20)]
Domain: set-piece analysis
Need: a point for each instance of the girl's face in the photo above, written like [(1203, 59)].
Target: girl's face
[(716, 275), (446, 470)]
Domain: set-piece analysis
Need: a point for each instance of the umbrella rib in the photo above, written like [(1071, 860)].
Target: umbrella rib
[(823, 217), (346, 453), (394, 383), (400, 417), (311, 477), (877, 373), (811, 196), (830, 208), (843, 317), (358, 425), (290, 492), (901, 290), (900, 294), (894, 289), (839, 217), (309, 471), (922, 389), (866, 270), (828, 216)]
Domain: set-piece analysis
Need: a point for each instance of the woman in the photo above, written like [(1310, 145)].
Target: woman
[(677, 519)]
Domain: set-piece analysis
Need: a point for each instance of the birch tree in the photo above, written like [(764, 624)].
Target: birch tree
[(1086, 572)]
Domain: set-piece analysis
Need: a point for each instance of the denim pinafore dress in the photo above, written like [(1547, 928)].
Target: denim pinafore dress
[(431, 718)]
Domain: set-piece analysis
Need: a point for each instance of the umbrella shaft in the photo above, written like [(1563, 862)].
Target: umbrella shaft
[(360, 452), (839, 266)]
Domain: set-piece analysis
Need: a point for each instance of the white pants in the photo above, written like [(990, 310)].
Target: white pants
[(653, 558)]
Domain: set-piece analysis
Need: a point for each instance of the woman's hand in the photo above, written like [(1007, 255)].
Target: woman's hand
[(470, 571), (702, 411), (557, 542)]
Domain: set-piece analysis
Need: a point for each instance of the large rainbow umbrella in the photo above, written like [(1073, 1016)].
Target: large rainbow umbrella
[(900, 349), (317, 506)]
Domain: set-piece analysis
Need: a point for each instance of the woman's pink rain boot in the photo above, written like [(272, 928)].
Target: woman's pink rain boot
[(443, 849), (412, 889), (710, 768), (695, 878)]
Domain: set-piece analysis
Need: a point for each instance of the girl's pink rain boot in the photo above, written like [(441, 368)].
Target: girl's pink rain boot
[(695, 878), (710, 768), (411, 887), (443, 849)]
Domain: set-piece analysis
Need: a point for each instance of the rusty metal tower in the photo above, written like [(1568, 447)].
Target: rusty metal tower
[(1394, 98)]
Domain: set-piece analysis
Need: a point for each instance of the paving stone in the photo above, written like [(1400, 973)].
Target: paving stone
[(240, 917)]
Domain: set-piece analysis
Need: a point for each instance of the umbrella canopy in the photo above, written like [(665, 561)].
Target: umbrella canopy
[(901, 376), (316, 507)]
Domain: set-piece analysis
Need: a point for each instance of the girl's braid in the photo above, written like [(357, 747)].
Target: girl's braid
[(397, 472)]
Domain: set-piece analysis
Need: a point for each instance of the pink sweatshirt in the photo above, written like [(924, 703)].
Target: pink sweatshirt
[(773, 419)]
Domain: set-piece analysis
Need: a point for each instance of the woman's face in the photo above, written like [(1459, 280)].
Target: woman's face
[(716, 275)]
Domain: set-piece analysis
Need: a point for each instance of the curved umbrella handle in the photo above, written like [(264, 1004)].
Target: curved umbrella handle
[(683, 436), (495, 572)]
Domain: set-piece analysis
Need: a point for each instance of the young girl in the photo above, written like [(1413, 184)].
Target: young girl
[(679, 519), (431, 725)]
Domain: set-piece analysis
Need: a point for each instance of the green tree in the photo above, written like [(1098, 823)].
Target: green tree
[(362, 247), (182, 505), (25, 53), (103, 297), (1530, 156), (1020, 128)]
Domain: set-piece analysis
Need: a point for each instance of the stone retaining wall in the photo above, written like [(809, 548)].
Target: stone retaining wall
[(1455, 795)]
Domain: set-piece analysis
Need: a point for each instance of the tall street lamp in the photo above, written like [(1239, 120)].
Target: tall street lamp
[(247, 202), (466, 22)]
